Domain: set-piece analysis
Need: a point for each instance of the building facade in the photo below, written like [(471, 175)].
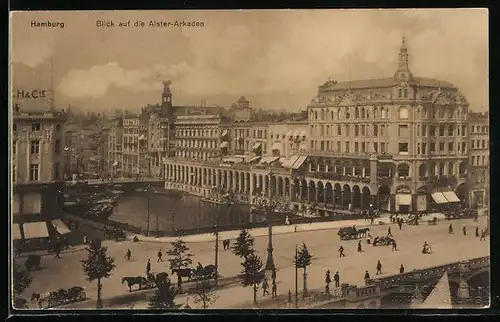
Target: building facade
[(115, 152), (479, 142), (135, 162), (288, 138)]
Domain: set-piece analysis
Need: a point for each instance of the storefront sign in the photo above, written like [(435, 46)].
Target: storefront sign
[(403, 190)]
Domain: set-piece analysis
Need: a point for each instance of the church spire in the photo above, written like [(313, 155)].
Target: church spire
[(403, 72)]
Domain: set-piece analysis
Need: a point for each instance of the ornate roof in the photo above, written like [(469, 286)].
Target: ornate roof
[(383, 82)]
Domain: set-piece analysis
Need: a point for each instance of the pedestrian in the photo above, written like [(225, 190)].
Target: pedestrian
[(359, 246), (57, 250), (265, 286), (327, 290), (128, 254), (369, 239), (148, 267), (367, 275), (400, 223), (341, 251), (274, 289), (273, 274), (450, 229), (379, 268), (477, 231), (372, 220), (85, 239), (389, 234), (336, 278), (401, 269), (328, 280), (394, 245), (159, 256), (464, 230), (287, 221)]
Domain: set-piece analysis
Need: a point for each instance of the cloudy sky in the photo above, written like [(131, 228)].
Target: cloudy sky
[(275, 58)]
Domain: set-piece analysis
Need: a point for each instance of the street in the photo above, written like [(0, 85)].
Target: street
[(323, 244)]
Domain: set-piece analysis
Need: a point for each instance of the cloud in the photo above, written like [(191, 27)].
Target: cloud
[(98, 80), (32, 50)]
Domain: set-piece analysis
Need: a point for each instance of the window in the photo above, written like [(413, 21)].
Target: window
[(404, 170), (362, 113), (14, 147), (484, 144), (57, 167), (322, 144), (418, 148), (338, 146), (441, 146), (464, 130), (363, 130), (441, 130), (35, 146), (58, 127), (403, 113), (14, 128), (472, 144), (375, 147), (450, 130), (35, 127), (339, 130), (375, 130), (356, 147), (347, 146), (347, 130), (34, 172), (363, 147), (383, 113), (424, 148), (382, 147), (464, 147), (57, 146), (432, 130), (400, 92), (14, 173), (347, 114), (356, 130), (403, 148), (484, 160), (432, 147), (403, 130), (424, 130), (356, 113), (406, 92), (450, 146)]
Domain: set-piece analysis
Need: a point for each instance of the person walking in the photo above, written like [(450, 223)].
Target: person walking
[(394, 245), (273, 274), (464, 230), (57, 249), (85, 239), (483, 235), (359, 247), (401, 269), (367, 275), (450, 229), (400, 223), (265, 286), (336, 278), (274, 289), (389, 234), (148, 267), (328, 280), (128, 254), (379, 268), (477, 231), (159, 256), (341, 251)]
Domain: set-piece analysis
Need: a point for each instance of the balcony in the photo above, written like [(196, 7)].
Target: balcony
[(385, 180)]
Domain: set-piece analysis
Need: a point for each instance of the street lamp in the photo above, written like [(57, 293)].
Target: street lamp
[(147, 190)]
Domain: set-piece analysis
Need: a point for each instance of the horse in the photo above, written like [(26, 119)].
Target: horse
[(139, 280), (183, 272), (363, 231)]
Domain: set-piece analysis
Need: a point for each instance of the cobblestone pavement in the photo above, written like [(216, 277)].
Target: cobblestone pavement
[(323, 244)]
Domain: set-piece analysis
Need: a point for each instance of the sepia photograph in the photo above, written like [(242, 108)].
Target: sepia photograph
[(254, 159)]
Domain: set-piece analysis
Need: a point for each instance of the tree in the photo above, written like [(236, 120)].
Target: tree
[(97, 266), (252, 273), (20, 282), (303, 260), (243, 246), (164, 297), (204, 293), (179, 257)]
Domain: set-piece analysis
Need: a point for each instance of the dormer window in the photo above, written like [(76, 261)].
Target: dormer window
[(405, 92)]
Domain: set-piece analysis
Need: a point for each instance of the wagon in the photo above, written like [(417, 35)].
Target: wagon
[(348, 233), (433, 221), (383, 241)]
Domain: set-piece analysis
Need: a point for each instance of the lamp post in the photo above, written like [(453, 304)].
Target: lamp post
[(173, 220), (149, 213), (216, 232), (270, 212), (296, 278)]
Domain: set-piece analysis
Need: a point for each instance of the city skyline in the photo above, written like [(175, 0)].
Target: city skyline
[(282, 56)]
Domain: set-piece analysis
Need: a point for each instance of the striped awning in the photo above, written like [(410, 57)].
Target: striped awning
[(16, 232), (254, 159), (35, 230), (268, 160), (300, 160), (451, 196), (290, 161), (223, 145), (403, 200), (60, 226), (256, 146), (439, 198), (224, 133)]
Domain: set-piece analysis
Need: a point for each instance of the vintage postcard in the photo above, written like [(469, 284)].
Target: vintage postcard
[(299, 159)]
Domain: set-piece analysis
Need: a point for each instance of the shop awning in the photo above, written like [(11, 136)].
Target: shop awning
[(438, 197), (403, 200), (224, 133), (35, 230), (16, 232), (256, 146), (290, 161), (60, 226), (300, 160), (451, 196), (276, 146), (268, 160), (223, 145)]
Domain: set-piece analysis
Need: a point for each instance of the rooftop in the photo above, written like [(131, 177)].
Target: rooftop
[(381, 83)]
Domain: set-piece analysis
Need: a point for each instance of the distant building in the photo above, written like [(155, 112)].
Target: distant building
[(135, 163), (479, 157), (115, 150)]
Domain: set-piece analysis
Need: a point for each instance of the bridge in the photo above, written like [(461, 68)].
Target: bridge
[(373, 293)]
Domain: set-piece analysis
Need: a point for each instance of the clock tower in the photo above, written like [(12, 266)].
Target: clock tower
[(168, 111), (403, 74), (166, 98)]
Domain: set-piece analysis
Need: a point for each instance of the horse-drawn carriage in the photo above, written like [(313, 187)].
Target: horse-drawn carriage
[(412, 220), (60, 297), (33, 261), (383, 241), (348, 233), (148, 282), (114, 233), (432, 221)]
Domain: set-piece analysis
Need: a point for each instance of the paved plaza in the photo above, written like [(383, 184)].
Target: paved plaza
[(323, 244)]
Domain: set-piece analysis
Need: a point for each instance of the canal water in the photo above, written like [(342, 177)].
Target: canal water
[(175, 212)]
